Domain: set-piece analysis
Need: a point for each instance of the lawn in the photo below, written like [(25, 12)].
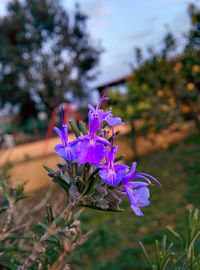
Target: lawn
[(114, 244)]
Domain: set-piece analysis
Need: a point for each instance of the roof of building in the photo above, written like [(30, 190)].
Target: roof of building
[(114, 82)]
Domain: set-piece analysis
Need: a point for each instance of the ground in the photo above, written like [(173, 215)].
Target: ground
[(114, 244)]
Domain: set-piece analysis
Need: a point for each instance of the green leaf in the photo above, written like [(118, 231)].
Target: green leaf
[(49, 170), (49, 214), (74, 128), (62, 183), (19, 192), (145, 253), (82, 127)]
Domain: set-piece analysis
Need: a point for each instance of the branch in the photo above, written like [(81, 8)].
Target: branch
[(52, 230)]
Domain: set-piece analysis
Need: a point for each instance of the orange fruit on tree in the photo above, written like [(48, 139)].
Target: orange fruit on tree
[(190, 86)]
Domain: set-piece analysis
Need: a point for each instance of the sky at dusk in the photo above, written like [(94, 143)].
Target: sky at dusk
[(122, 25)]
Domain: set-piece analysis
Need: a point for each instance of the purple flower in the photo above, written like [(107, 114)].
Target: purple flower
[(97, 116), (91, 147), (109, 172), (137, 192), (138, 195), (66, 150), (113, 120)]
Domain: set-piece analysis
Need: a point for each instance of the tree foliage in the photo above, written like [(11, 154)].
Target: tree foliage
[(45, 52), (164, 86)]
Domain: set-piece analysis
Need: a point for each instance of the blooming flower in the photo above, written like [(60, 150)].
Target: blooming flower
[(137, 192), (97, 116), (66, 150), (91, 147), (113, 120), (109, 172)]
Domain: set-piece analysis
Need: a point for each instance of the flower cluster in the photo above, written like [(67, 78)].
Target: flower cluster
[(97, 149)]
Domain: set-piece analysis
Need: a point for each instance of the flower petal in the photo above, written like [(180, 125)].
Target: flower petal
[(139, 175), (102, 140), (58, 131), (141, 196), (110, 177), (64, 152), (137, 210), (114, 121), (90, 152), (138, 197), (137, 184), (131, 174), (151, 177)]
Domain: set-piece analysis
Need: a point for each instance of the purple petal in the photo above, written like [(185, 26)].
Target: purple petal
[(58, 146), (150, 176), (102, 166), (141, 196), (94, 124), (64, 152), (131, 174), (110, 177), (103, 98), (138, 197), (64, 135), (73, 143), (137, 184), (84, 138), (90, 152), (137, 210), (91, 108), (114, 121), (133, 168), (103, 115), (102, 140), (110, 154), (120, 170), (139, 175), (58, 131)]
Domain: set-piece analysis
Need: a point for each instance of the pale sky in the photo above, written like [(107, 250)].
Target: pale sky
[(122, 25)]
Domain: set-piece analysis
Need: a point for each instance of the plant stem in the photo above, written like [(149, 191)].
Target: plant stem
[(52, 230)]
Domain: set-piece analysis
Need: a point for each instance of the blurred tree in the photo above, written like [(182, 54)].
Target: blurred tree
[(44, 52), (148, 104), (164, 88), (194, 33), (185, 72), (186, 85), (191, 67)]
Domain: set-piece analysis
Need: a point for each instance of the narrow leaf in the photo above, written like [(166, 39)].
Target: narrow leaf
[(74, 128), (82, 127), (49, 214), (49, 170)]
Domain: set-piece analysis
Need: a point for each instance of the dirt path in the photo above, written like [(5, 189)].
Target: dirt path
[(29, 158)]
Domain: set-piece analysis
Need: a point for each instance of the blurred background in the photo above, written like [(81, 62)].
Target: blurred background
[(146, 54)]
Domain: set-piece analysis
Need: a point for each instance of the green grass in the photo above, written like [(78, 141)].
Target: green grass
[(114, 244)]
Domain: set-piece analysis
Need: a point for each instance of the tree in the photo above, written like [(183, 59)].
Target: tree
[(149, 103), (165, 86), (45, 53), (194, 33)]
